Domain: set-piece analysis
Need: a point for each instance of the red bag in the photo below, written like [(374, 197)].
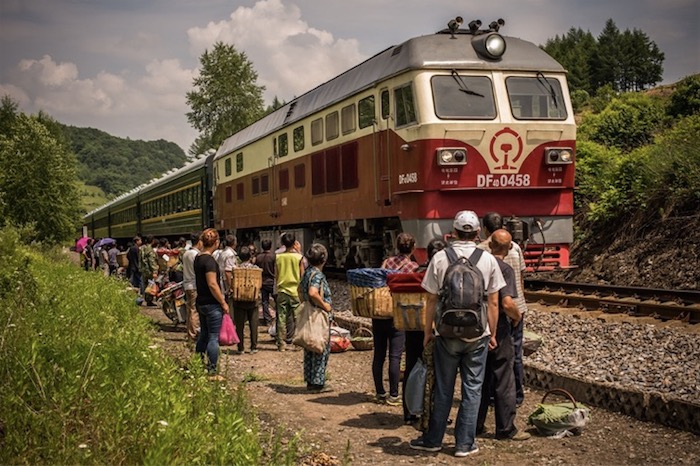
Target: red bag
[(339, 343), (228, 335)]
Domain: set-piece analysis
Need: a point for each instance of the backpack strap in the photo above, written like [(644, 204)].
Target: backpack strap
[(476, 255), (451, 255)]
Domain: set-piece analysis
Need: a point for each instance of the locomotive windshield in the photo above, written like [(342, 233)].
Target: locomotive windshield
[(536, 98), (459, 97)]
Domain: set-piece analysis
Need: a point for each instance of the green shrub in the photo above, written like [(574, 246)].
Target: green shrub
[(685, 100), (83, 382)]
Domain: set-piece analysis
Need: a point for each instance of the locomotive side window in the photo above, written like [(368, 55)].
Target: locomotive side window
[(283, 145), (284, 180), (347, 119), (239, 162), (227, 164), (461, 97), (299, 175), (365, 112), (316, 132), (298, 138), (405, 108), (332, 130), (536, 98), (385, 104)]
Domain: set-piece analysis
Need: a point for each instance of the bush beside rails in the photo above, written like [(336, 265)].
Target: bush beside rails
[(83, 382)]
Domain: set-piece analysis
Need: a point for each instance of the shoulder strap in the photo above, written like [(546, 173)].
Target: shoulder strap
[(451, 255), (476, 255)]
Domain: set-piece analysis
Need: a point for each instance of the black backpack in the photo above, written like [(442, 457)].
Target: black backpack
[(462, 311)]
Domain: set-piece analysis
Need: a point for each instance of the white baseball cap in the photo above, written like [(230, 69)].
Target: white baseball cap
[(467, 221)]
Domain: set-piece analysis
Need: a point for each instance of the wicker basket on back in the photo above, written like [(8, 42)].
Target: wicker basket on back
[(369, 295), (409, 300), (246, 284), (122, 261)]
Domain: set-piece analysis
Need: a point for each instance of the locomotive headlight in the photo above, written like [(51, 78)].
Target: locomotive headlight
[(452, 156), (558, 155), (491, 45)]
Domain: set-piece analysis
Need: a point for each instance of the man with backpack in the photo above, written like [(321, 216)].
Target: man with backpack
[(462, 284)]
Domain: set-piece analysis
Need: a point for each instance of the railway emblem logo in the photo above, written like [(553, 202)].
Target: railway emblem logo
[(506, 148)]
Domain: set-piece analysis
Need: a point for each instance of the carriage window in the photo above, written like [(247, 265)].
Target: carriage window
[(284, 179), (228, 166), (316, 132), (299, 176), (385, 104), (347, 119), (536, 98), (405, 109), (264, 184), (298, 138), (331, 126), (239, 192), (239, 162), (366, 112), (283, 145), (229, 194), (255, 186), (459, 97)]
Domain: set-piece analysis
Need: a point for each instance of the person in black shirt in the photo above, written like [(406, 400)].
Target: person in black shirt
[(266, 261), (211, 303), (132, 270)]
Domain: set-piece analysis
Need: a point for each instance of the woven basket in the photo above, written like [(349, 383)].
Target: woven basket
[(246, 284), (371, 302), (409, 310), (362, 339), (122, 261)]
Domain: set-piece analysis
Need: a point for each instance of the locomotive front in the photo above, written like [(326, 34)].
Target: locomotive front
[(496, 132)]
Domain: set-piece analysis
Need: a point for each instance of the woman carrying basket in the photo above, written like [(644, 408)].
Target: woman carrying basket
[(315, 289), (386, 336)]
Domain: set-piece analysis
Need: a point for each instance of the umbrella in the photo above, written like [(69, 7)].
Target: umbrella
[(80, 244), (105, 241)]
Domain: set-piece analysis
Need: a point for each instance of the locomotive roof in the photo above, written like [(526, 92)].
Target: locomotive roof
[(435, 51)]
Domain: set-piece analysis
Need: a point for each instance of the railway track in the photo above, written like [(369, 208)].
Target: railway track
[(681, 305)]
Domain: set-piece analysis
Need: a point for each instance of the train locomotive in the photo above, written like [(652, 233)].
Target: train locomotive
[(465, 118)]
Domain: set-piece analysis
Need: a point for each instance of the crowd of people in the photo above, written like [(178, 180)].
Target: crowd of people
[(489, 363)]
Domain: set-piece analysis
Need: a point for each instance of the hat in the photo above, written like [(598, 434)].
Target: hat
[(466, 221)]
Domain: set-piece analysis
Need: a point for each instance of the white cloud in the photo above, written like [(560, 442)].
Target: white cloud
[(290, 56)]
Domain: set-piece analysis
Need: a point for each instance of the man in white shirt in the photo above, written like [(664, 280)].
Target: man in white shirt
[(455, 354), (227, 260), (189, 284)]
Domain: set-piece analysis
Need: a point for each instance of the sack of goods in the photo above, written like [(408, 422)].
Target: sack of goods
[(312, 330), (340, 339), (369, 295), (409, 300), (559, 419), (246, 284), (462, 312), (152, 288)]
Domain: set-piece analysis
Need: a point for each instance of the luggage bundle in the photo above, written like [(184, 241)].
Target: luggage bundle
[(370, 297), (409, 300)]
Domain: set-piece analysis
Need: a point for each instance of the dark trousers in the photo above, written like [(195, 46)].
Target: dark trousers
[(414, 351), (266, 292), (387, 337), (518, 362), (246, 311), (500, 380)]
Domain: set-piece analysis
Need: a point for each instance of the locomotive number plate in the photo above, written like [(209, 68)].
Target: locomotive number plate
[(502, 181)]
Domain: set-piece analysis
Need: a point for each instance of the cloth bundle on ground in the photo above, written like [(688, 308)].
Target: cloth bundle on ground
[(559, 419), (405, 282), (340, 339), (368, 277)]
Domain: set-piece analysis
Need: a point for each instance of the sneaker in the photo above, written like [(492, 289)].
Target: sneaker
[(393, 400), (520, 436), (419, 444), (253, 351), (462, 452), (380, 398)]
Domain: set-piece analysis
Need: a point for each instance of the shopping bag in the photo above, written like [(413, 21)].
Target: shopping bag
[(152, 288), (312, 329), (415, 388), (228, 335), (340, 341)]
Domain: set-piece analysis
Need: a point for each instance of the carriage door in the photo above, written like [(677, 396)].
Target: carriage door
[(382, 169)]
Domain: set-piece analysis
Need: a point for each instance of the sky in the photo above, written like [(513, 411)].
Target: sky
[(125, 66)]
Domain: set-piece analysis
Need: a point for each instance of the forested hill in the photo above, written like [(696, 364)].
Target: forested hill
[(116, 165)]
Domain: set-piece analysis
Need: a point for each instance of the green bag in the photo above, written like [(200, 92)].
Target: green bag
[(559, 419)]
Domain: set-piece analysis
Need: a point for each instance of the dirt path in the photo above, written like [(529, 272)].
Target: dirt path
[(343, 426)]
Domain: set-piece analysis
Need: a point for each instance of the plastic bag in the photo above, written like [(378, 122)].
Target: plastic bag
[(152, 288), (228, 335), (340, 341), (415, 388)]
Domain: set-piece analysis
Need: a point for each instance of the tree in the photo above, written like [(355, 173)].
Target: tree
[(685, 100), (574, 51), (226, 98), (276, 103), (607, 58), (37, 180)]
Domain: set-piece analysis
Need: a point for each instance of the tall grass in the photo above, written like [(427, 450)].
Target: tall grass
[(81, 381)]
